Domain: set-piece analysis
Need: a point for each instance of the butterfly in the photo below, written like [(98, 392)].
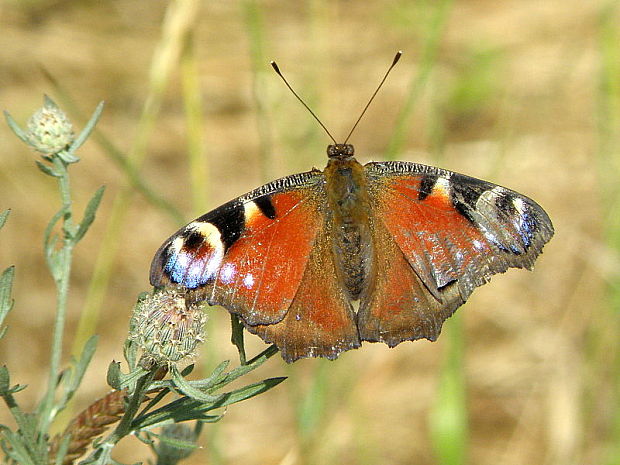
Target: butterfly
[(320, 261)]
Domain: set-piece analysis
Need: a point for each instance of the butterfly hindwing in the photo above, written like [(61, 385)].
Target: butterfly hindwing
[(250, 254), (398, 306), (321, 321), (454, 231)]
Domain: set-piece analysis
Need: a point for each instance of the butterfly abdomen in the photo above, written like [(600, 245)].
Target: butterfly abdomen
[(352, 241)]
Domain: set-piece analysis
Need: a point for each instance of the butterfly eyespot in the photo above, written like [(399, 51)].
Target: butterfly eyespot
[(193, 240)]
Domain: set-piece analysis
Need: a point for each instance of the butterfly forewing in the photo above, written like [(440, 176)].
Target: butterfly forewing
[(455, 230), (250, 254)]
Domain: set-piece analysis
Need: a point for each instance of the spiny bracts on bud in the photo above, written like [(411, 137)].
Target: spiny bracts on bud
[(49, 129), (167, 328)]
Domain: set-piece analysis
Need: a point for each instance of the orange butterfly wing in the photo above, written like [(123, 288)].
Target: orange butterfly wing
[(437, 236), (266, 257)]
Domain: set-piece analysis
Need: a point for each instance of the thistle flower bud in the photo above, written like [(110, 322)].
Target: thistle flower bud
[(166, 328), (49, 129)]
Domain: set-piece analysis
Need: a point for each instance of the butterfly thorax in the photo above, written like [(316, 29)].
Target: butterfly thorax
[(349, 222)]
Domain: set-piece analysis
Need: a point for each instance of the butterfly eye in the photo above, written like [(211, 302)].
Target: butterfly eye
[(332, 151), (341, 151)]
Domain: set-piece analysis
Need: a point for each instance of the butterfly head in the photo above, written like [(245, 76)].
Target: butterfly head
[(340, 151)]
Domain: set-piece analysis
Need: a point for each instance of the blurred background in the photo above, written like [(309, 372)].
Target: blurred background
[(522, 93)]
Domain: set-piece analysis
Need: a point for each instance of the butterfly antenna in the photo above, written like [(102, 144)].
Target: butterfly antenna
[(277, 70), (396, 58)]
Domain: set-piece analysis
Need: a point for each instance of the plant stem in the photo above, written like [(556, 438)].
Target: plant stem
[(61, 273)]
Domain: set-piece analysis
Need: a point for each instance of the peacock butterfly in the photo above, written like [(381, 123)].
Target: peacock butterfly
[(404, 242)]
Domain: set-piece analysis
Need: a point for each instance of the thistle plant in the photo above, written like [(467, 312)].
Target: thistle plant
[(164, 335)]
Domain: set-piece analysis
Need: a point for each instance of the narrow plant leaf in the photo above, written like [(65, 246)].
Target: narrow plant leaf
[(17, 388), (68, 157), (118, 380), (18, 450), (210, 418), (251, 365), (19, 132), (63, 448), (48, 244), (163, 392), (213, 379), (130, 352), (3, 217), (81, 365), (178, 443), (77, 143), (89, 214), (46, 169), (5, 380), (186, 388), (145, 438), (188, 369), (186, 409), (6, 286), (237, 337), (247, 392)]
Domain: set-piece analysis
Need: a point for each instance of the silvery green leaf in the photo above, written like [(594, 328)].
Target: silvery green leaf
[(18, 451), (250, 391), (186, 408), (62, 450), (17, 388), (3, 217), (213, 379), (189, 390), (81, 365), (47, 169), (50, 226), (118, 380), (68, 157), (5, 380), (77, 143), (89, 214), (249, 366), (19, 132), (6, 285)]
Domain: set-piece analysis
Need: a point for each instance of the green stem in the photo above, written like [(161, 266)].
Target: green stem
[(237, 337), (61, 275), (124, 427), (28, 433)]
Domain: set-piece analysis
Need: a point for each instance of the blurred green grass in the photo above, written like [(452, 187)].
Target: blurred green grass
[(458, 88)]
